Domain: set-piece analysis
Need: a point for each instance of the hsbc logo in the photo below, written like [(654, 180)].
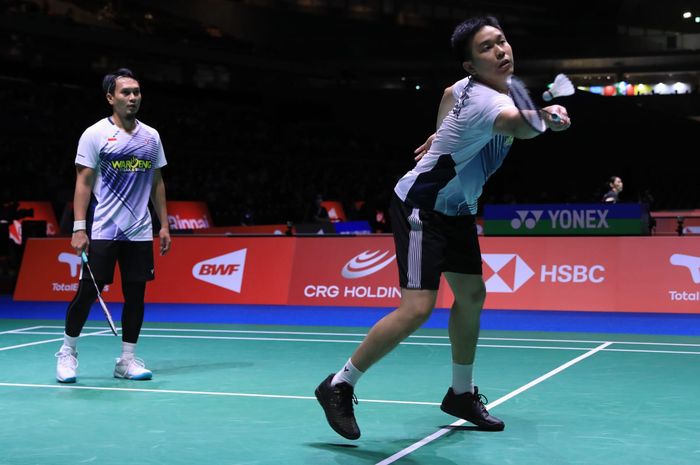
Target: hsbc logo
[(224, 271), (510, 272), (366, 264), (519, 272)]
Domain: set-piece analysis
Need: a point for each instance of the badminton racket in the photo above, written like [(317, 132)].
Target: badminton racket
[(99, 296), (530, 112)]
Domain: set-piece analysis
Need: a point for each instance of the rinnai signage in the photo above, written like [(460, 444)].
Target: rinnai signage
[(566, 220), (188, 215)]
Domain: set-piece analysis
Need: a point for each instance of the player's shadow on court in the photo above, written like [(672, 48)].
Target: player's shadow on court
[(466, 428), (366, 452), (198, 367)]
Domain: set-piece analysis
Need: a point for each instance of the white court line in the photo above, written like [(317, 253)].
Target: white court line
[(653, 351), (441, 432), (357, 341), (19, 330), (204, 393), (46, 341), (237, 331), (105, 333), (411, 336)]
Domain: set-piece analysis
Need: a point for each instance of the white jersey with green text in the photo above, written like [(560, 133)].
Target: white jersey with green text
[(450, 177), (124, 165)]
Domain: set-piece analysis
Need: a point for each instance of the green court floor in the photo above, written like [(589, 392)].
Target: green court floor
[(233, 394)]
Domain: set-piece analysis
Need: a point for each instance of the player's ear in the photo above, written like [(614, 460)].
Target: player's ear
[(110, 98), (469, 67)]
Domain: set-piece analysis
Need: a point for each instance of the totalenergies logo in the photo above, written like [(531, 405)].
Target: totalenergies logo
[(133, 164), (690, 262)]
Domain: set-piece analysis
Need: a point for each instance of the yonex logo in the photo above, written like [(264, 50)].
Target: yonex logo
[(224, 271), (690, 262), (529, 218), (514, 272), (366, 263)]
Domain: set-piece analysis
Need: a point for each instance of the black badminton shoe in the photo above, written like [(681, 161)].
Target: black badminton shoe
[(470, 407), (337, 404)]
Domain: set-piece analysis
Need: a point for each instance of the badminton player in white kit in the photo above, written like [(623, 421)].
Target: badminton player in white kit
[(433, 221), (118, 165)]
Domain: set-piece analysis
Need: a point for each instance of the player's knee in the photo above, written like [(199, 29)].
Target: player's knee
[(473, 297), (419, 312)]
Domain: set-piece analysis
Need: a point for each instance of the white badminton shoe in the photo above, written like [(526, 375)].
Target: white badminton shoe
[(66, 365), (132, 368)]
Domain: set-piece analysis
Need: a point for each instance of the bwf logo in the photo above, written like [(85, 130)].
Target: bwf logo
[(529, 218), (514, 270), (224, 271), (366, 264)]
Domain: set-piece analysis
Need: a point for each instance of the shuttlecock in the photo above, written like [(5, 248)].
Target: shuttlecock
[(562, 87)]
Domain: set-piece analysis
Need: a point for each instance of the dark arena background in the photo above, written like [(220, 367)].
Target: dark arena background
[(286, 125)]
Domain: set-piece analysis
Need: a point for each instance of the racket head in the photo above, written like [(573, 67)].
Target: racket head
[(523, 102)]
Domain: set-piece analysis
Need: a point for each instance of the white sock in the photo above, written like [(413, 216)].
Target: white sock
[(70, 342), (348, 374), (462, 378), (128, 350)]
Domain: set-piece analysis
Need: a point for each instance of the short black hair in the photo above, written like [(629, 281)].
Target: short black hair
[(109, 82), (464, 33), (611, 179)]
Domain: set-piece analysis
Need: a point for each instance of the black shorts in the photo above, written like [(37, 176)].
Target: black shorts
[(135, 260), (429, 243)]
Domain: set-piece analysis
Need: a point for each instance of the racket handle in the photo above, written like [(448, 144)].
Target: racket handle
[(555, 117), (83, 255)]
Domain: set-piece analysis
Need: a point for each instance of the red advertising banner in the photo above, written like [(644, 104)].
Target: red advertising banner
[(197, 270), (224, 270), (335, 210), (616, 274), (188, 215), (676, 222), (345, 271), (42, 211), (278, 229), (50, 271)]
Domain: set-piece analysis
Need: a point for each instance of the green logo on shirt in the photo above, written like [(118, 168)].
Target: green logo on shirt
[(134, 164)]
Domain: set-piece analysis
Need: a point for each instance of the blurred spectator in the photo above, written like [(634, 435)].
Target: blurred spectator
[(614, 189)]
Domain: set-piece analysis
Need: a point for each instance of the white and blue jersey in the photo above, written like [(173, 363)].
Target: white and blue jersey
[(124, 165), (449, 178)]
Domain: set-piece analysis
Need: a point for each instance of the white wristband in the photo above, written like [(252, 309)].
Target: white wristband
[(80, 225)]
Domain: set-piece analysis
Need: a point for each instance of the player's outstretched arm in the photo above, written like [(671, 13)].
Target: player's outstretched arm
[(510, 122)]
